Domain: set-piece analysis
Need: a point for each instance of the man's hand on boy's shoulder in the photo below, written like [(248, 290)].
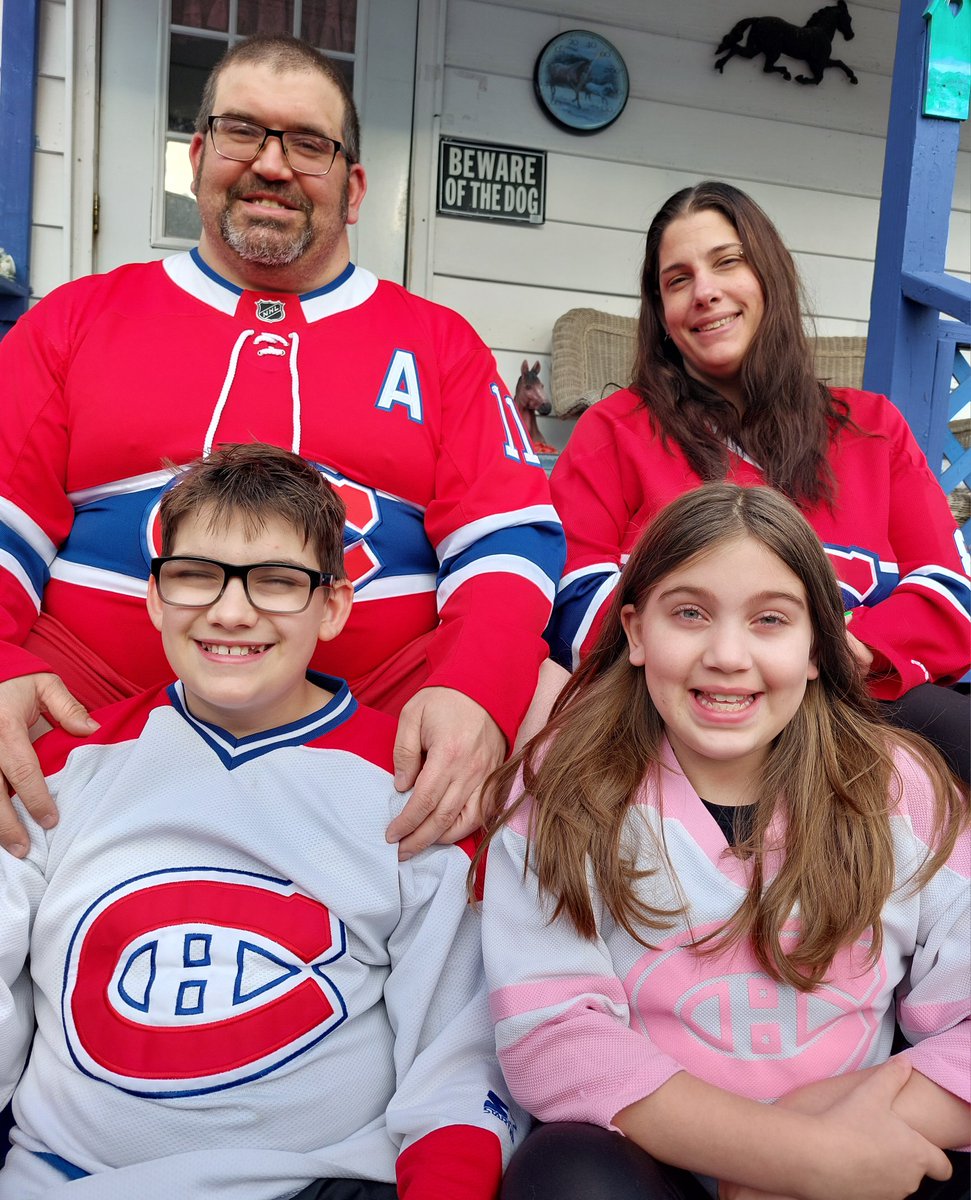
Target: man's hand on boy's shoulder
[(23, 701), (446, 747)]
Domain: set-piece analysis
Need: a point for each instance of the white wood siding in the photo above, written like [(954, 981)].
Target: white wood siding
[(50, 226), (812, 156)]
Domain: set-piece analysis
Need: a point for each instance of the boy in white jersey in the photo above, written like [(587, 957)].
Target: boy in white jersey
[(238, 989)]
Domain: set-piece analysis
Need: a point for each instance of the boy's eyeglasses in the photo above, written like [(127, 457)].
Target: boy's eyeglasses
[(242, 141), (270, 587)]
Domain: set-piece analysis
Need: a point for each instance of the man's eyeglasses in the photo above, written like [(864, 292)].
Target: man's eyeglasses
[(270, 587), (242, 141)]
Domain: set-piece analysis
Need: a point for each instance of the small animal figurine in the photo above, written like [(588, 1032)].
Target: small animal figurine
[(531, 399), (811, 43)]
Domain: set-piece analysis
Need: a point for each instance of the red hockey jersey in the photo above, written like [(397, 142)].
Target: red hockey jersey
[(449, 525)]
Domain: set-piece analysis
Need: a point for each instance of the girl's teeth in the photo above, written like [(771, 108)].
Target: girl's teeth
[(732, 703)]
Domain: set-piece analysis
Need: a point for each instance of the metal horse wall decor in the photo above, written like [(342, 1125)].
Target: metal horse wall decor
[(810, 43)]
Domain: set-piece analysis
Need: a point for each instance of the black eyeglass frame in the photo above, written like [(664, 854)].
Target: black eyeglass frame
[(339, 147), (240, 571)]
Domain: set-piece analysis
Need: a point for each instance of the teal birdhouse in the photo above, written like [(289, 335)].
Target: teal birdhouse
[(948, 89)]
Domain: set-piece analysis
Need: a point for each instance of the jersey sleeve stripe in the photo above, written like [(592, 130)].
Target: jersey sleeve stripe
[(576, 609), (603, 568), (386, 587), (950, 586), (16, 569), (496, 564), (600, 599), (27, 529), (101, 580), (461, 539)]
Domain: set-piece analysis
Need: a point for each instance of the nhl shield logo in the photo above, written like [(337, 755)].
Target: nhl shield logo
[(271, 310)]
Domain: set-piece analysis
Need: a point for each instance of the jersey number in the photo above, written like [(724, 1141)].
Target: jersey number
[(524, 451)]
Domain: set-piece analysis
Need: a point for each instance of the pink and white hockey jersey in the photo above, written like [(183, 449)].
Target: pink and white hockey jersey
[(237, 986), (585, 1028)]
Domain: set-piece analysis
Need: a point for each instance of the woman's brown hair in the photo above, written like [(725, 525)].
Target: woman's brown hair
[(832, 768), (787, 416)]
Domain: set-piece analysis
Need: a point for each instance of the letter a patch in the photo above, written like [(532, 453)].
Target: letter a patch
[(401, 385)]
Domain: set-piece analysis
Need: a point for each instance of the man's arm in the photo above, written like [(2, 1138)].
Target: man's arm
[(446, 747), (35, 518), (500, 549)]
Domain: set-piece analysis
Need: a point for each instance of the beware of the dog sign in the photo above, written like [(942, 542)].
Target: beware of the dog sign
[(504, 183)]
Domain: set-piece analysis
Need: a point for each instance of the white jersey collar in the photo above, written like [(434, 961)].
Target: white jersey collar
[(190, 272)]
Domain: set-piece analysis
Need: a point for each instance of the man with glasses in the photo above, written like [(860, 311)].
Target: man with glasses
[(266, 331)]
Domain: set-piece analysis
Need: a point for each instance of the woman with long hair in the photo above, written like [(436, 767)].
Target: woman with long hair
[(724, 388), (718, 880)]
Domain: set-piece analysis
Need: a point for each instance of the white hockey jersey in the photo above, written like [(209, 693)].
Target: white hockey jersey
[(238, 987)]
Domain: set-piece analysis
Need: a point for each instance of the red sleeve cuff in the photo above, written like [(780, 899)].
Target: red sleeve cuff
[(458, 1162), (16, 661)]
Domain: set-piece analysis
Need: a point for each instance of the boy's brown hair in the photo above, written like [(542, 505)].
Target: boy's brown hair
[(251, 482)]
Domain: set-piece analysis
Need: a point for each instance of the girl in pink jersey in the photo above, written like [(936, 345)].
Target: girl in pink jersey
[(720, 889)]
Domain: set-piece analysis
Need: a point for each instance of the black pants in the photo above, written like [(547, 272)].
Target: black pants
[(943, 716), (572, 1161), (348, 1189)]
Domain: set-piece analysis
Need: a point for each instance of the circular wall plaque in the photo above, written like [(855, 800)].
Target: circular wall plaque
[(581, 81)]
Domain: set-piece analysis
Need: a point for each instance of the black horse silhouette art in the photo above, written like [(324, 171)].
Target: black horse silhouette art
[(811, 43)]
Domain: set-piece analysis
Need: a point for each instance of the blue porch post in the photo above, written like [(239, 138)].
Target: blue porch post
[(908, 342), (18, 76)]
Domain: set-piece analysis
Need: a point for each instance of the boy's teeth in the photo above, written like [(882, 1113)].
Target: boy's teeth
[(237, 650)]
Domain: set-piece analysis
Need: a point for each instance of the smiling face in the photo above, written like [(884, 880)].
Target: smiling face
[(263, 224), (725, 641), (711, 300), (242, 669)]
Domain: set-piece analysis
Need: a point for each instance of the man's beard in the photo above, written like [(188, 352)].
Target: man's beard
[(265, 242)]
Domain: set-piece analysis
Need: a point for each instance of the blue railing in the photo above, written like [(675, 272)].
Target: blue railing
[(920, 316)]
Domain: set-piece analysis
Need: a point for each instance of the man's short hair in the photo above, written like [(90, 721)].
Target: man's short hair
[(282, 52), (252, 482)]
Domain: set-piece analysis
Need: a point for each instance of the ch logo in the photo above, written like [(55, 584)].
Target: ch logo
[(711, 1011), (183, 982), (858, 572), (363, 516)]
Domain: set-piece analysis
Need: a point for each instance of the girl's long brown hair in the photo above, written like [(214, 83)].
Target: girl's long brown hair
[(788, 416), (831, 768)]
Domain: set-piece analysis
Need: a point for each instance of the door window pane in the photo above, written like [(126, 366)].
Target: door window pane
[(330, 24), (181, 211), (265, 16), (201, 14), (190, 61)]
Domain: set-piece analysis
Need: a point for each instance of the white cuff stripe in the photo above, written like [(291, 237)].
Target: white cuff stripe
[(497, 564), (467, 535)]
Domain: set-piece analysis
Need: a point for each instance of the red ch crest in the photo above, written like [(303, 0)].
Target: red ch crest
[(184, 982)]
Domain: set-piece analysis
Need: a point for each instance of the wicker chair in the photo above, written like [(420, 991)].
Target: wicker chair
[(593, 353)]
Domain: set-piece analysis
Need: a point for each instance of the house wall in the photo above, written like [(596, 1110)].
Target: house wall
[(812, 156), (49, 243)]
